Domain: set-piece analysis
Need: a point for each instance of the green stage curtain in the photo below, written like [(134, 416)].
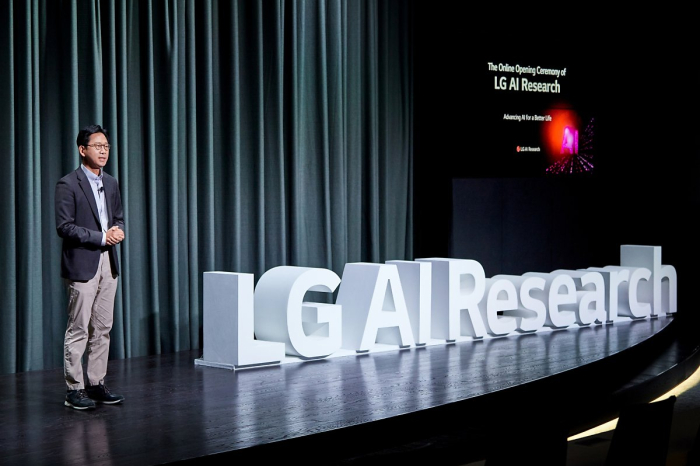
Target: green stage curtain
[(245, 135)]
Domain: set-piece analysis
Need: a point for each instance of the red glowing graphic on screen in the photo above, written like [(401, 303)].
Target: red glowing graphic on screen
[(559, 136), (568, 143)]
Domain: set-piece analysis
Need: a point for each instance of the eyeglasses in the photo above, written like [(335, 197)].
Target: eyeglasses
[(99, 146)]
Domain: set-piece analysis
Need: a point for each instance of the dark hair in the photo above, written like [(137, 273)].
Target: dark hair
[(83, 138)]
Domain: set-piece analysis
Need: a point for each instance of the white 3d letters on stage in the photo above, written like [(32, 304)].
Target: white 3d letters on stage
[(664, 276), (282, 312), (228, 324), (501, 297), (590, 294), (374, 308), (531, 312), (415, 280), (403, 304), (630, 291), (560, 293), (457, 284)]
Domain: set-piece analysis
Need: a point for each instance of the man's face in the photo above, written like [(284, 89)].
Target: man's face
[(93, 157)]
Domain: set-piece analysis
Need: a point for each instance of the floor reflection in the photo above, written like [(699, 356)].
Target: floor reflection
[(174, 409)]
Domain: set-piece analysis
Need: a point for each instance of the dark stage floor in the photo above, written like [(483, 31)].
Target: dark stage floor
[(352, 406)]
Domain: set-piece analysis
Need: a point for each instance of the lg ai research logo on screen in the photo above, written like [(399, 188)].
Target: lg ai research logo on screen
[(527, 149)]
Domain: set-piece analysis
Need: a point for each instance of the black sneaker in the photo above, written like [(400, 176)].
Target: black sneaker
[(101, 394), (78, 399)]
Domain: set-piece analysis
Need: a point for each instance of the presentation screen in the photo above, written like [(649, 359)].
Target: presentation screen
[(534, 115)]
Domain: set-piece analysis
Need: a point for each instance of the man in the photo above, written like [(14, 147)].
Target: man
[(90, 219)]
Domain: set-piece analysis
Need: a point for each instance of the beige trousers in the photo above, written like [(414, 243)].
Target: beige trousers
[(90, 317)]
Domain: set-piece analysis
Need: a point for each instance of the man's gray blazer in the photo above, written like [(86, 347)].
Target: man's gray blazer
[(78, 223)]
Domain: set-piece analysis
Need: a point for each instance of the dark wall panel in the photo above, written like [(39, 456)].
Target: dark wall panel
[(518, 225)]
